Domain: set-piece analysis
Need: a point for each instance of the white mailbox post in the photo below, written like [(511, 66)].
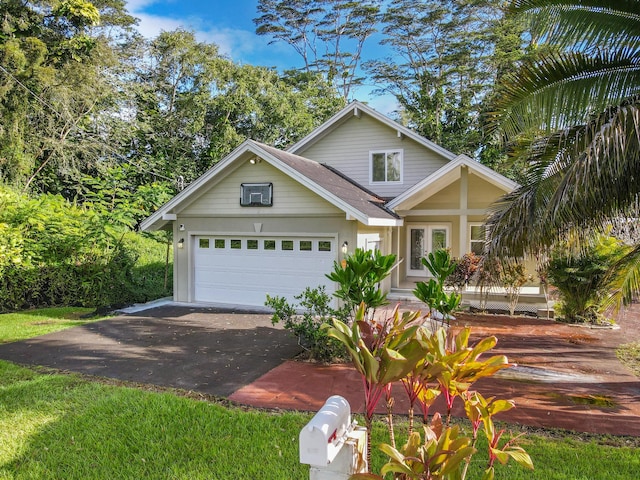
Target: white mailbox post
[(333, 445)]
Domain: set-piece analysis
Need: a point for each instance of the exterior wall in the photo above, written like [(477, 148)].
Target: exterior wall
[(296, 211), (347, 149), (481, 193), (289, 197)]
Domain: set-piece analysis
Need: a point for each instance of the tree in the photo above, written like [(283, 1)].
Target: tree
[(439, 70), (328, 35), (573, 114), (52, 82)]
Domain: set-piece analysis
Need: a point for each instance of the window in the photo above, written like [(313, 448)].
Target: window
[(252, 244), (269, 244), (236, 244), (324, 245), (386, 166), (219, 243), (476, 239), (305, 245), (204, 243), (256, 194), (287, 244)]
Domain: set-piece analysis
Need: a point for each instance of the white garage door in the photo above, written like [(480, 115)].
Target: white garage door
[(243, 270)]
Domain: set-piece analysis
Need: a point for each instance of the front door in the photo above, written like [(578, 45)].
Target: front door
[(423, 239)]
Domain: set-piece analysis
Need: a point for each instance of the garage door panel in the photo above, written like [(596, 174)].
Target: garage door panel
[(246, 275)]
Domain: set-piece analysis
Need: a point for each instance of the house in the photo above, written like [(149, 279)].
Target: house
[(266, 221)]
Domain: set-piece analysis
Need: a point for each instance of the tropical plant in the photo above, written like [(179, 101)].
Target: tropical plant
[(359, 279), (382, 352), (464, 272), (307, 326), (584, 280), (441, 304), (573, 115), (401, 347)]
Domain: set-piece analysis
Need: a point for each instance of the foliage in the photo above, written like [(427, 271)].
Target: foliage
[(441, 65), (359, 279), (441, 304), (465, 270), (328, 35), (56, 253), (572, 115), (307, 326), (513, 277), (584, 280), (388, 351)]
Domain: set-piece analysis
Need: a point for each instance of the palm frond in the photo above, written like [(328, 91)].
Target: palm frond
[(584, 25), (579, 179), (627, 279), (563, 89)]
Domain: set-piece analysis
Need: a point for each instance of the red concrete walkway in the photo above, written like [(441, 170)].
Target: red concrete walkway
[(567, 377)]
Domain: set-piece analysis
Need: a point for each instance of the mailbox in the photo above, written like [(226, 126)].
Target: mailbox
[(323, 437)]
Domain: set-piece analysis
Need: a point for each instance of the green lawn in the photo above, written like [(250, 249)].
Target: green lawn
[(32, 323), (55, 426)]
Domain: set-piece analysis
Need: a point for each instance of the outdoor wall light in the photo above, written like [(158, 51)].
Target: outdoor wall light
[(255, 160), (181, 243), (345, 247)]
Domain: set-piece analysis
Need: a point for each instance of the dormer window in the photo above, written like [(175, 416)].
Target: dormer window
[(256, 194), (386, 166)]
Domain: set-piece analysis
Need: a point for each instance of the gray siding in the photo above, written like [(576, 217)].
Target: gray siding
[(347, 149)]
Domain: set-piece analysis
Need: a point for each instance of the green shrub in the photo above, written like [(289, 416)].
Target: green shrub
[(307, 326), (584, 280), (53, 253)]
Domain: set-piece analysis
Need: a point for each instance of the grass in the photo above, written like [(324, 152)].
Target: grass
[(629, 355), (67, 426), (33, 323)]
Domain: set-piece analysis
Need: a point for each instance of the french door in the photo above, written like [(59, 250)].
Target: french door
[(421, 240)]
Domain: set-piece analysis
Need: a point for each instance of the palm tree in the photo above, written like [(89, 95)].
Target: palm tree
[(573, 112)]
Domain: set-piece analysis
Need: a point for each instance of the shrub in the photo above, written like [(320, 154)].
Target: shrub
[(307, 326), (584, 280)]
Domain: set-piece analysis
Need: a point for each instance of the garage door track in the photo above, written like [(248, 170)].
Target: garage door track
[(203, 349)]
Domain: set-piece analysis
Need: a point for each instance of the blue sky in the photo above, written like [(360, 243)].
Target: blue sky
[(228, 24)]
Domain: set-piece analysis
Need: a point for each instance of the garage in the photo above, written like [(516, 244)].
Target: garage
[(244, 269)]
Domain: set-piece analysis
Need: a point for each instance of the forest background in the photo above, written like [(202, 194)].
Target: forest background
[(99, 126)]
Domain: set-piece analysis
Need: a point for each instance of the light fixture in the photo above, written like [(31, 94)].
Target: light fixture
[(345, 247), (255, 160), (181, 227), (181, 243)]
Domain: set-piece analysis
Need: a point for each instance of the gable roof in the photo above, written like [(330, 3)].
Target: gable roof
[(357, 202), (444, 177), (357, 109)]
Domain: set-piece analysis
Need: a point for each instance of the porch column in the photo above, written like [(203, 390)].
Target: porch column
[(464, 205)]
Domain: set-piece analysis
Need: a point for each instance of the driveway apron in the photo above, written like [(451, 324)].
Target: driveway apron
[(210, 350)]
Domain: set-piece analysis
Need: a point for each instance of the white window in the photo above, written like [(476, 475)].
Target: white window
[(386, 166), (477, 238)]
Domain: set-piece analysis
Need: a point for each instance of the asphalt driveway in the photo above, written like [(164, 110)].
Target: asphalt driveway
[(209, 350)]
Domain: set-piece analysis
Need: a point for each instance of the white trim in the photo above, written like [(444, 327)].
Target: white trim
[(449, 170), (385, 152), (441, 212), (357, 108)]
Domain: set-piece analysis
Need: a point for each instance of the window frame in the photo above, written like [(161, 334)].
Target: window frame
[(471, 239), (386, 152)]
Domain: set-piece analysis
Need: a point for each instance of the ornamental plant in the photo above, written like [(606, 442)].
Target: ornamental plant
[(429, 364), (360, 278), (441, 304)]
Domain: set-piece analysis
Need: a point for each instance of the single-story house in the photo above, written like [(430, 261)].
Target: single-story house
[(267, 221)]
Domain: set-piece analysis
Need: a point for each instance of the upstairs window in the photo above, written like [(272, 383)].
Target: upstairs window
[(386, 166), (256, 194)]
